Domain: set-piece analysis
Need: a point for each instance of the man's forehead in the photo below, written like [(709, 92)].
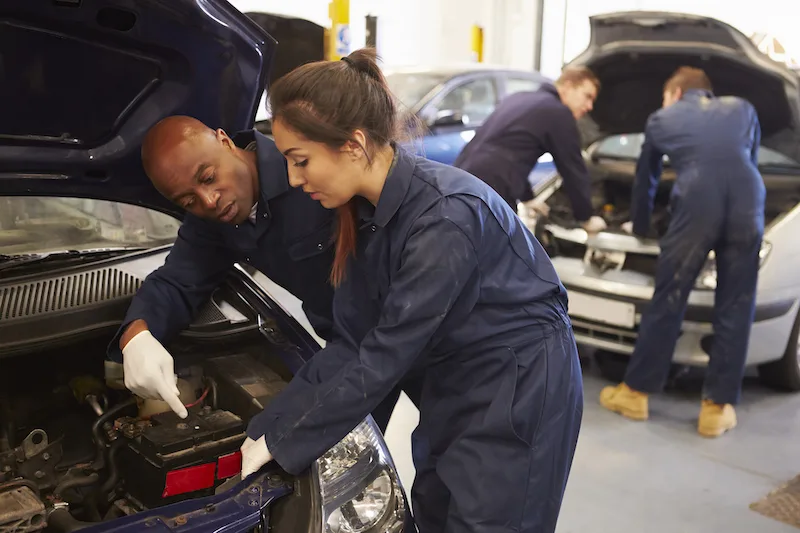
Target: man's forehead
[(177, 167)]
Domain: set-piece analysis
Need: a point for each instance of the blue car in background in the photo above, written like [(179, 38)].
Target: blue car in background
[(452, 102), (81, 227)]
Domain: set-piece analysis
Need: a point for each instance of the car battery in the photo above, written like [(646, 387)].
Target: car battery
[(173, 459), (244, 384)]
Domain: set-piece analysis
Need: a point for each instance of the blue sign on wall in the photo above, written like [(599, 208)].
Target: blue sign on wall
[(342, 39)]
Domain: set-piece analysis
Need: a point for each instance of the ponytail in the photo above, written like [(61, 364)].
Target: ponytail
[(345, 240)]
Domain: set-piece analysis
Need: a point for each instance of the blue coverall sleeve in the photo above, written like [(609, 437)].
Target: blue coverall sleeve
[(645, 185), (169, 296), (309, 418), (564, 144)]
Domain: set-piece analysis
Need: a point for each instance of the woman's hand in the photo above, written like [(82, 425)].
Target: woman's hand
[(254, 455)]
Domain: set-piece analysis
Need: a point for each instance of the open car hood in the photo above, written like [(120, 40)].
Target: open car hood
[(634, 53), (83, 81)]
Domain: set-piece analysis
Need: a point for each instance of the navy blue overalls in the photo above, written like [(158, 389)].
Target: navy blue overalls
[(290, 242), (447, 282), (717, 203), (522, 128)]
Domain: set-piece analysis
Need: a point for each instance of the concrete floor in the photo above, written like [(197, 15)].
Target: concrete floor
[(660, 476)]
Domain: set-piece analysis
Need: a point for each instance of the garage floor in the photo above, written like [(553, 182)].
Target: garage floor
[(660, 476)]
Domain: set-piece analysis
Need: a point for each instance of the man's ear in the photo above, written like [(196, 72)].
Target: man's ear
[(223, 138)]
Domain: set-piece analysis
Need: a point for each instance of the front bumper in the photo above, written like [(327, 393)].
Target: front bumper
[(241, 509), (597, 325)]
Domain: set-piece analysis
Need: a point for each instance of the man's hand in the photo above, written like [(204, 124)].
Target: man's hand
[(537, 207), (627, 227), (254, 455), (594, 225), (149, 371)]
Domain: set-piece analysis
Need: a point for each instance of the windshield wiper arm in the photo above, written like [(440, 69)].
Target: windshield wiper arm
[(16, 260)]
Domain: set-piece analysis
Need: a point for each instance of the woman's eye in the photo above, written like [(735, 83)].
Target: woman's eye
[(188, 203), (301, 163), (209, 180)]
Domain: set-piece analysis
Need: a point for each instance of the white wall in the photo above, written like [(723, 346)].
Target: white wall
[(427, 32), (432, 32)]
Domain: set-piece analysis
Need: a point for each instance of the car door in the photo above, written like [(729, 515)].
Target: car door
[(455, 113)]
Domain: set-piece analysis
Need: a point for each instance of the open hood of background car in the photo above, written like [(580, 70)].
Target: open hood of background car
[(634, 53), (83, 80), (301, 41)]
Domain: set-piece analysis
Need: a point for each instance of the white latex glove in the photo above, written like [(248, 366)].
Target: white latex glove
[(254, 455), (627, 227), (149, 371), (594, 225)]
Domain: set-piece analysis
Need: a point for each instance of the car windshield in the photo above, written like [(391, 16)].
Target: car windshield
[(34, 225), (409, 88), (629, 146)]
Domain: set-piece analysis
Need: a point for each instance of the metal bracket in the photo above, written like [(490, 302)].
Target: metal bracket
[(35, 443)]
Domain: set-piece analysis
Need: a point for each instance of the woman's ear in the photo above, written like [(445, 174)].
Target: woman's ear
[(356, 146)]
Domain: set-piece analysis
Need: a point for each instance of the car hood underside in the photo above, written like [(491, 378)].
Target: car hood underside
[(87, 79), (633, 54)]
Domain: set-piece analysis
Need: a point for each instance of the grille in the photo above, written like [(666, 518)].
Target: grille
[(641, 263), (600, 332), (65, 292), (209, 314)]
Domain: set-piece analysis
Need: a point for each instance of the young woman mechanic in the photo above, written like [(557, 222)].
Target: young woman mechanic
[(435, 274)]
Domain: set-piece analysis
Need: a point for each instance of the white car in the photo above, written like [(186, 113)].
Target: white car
[(610, 277)]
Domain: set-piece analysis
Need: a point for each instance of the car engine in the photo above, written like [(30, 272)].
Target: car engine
[(611, 200), (76, 448)]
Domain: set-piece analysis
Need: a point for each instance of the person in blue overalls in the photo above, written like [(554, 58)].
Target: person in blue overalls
[(717, 203), (528, 124), (435, 275), (239, 208)]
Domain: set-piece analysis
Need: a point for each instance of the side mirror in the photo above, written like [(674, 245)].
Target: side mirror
[(449, 118)]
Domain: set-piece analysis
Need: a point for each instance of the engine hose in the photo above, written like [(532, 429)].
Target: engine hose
[(62, 521), (214, 393), (97, 430), (75, 482), (17, 483), (113, 469)]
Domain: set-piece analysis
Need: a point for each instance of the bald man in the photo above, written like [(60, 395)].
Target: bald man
[(239, 208)]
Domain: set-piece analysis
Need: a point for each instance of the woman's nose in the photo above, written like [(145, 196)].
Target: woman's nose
[(295, 180)]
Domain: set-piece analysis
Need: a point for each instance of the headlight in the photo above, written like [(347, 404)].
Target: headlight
[(707, 280), (360, 491)]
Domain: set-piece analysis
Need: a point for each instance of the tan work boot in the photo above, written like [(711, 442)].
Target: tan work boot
[(715, 419), (625, 401)]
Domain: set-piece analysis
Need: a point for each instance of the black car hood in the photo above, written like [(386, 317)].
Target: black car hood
[(83, 80), (634, 53)]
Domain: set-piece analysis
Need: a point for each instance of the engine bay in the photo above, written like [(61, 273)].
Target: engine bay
[(611, 200), (77, 449)]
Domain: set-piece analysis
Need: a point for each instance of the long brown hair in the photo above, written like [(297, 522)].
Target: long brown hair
[(326, 101)]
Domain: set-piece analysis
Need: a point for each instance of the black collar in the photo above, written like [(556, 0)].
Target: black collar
[(273, 178), (396, 187)]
